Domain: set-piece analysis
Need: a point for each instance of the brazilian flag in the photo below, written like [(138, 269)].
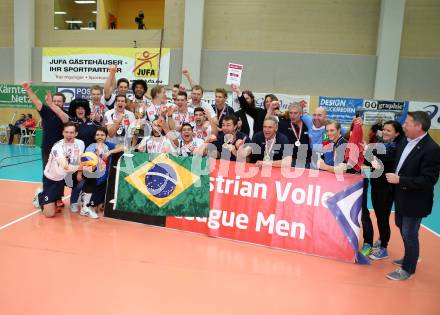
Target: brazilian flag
[(162, 185)]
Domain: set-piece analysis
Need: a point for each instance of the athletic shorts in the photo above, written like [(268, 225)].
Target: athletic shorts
[(52, 191), (98, 195)]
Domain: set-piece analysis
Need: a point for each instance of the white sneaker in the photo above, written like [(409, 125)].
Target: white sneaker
[(89, 212), (74, 207), (35, 201)]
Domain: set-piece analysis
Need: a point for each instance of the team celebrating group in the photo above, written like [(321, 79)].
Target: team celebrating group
[(78, 145)]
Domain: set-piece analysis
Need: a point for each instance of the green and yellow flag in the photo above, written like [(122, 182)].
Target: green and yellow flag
[(162, 185)]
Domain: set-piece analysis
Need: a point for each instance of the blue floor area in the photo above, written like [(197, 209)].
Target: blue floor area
[(19, 162), (24, 163)]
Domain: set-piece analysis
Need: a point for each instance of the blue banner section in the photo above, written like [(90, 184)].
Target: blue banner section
[(346, 206), (341, 109), (72, 92)]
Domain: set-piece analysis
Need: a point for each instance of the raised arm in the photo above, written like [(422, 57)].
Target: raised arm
[(188, 76), (237, 91), (170, 121), (57, 110), (213, 122), (110, 83), (32, 96)]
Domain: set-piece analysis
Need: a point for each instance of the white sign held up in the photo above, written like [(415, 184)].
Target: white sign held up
[(233, 75)]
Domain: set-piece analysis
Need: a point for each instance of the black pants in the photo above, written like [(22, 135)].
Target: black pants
[(382, 199), (44, 158), (367, 225), (13, 131)]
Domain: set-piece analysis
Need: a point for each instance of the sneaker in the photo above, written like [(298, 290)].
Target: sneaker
[(35, 201), (366, 249), (399, 262), (378, 254), (377, 244), (89, 212), (398, 275), (74, 208)]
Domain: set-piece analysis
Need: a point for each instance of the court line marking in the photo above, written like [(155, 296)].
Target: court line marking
[(19, 219), (430, 230), (20, 181), (25, 217)]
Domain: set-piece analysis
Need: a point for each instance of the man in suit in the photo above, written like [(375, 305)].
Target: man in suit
[(416, 172)]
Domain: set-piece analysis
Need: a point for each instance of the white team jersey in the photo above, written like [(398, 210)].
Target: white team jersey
[(156, 145), (187, 117), (59, 154), (202, 133), (208, 108), (110, 102), (124, 131), (188, 149), (153, 111)]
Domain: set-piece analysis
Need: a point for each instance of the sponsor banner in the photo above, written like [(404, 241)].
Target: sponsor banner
[(284, 99), (15, 96), (341, 109), (373, 111), (90, 65), (318, 215), (433, 110), (72, 92), (208, 97)]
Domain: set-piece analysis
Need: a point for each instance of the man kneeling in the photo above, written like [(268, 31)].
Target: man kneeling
[(63, 161)]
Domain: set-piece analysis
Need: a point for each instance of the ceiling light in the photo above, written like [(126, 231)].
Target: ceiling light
[(84, 1), (94, 12), (56, 28), (88, 28), (60, 12), (73, 21)]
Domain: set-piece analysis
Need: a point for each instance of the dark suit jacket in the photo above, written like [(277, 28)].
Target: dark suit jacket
[(258, 121), (414, 195)]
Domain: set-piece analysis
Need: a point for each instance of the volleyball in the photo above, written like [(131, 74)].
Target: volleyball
[(89, 159)]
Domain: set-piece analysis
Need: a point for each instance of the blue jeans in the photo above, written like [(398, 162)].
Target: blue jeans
[(409, 229), (76, 191)]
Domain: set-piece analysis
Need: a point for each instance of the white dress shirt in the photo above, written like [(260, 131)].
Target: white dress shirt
[(408, 148)]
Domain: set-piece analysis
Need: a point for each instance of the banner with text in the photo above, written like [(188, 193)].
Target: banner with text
[(90, 65), (373, 111), (341, 109), (15, 96), (433, 110), (284, 99), (313, 214)]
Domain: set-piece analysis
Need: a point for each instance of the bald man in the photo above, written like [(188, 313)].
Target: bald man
[(317, 134)]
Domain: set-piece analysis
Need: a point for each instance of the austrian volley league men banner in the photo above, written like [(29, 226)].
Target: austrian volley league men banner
[(312, 212), (433, 110), (90, 65), (161, 185)]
